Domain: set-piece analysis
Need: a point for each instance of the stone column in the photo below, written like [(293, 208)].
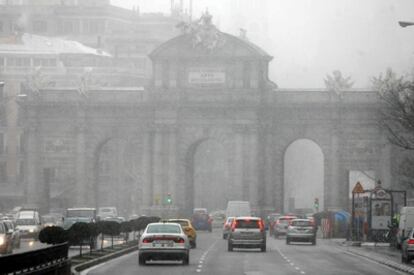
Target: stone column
[(331, 178), (146, 170), (81, 187), (157, 168), (238, 183), (268, 184), (251, 163), (34, 186), (172, 165)]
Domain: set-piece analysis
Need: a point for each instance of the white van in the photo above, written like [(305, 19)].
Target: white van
[(238, 209), (107, 211), (406, 223), (28, 223)]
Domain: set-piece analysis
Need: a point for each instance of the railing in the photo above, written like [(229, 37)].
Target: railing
[(51, 260)]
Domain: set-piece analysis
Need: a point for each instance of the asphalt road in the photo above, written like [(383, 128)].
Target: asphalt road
[(211, 257)]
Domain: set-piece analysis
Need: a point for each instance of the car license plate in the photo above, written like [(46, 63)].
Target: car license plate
[(163, 244)]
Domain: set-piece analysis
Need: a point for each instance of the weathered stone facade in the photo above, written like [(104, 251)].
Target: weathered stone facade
[(132, 147)]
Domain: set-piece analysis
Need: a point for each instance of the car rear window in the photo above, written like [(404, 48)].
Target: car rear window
[(247, 224), (164, 228), (301, 223), (182, 223)]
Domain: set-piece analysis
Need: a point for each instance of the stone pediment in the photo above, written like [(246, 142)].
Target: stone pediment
[(202, 39)]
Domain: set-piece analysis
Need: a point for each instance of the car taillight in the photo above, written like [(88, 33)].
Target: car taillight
[(147, 240), (261, 226), (410, 241), (180, 240), (233, 226)]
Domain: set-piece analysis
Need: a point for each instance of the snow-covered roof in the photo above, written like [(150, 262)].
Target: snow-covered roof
[(36, 44)]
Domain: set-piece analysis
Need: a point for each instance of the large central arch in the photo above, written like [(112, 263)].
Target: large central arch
[(303, 176)]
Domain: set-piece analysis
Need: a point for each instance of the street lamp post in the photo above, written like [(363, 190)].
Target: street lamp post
[(404, 24)]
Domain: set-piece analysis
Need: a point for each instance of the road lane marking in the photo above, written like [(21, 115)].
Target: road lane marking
[(203, 256), (291, 263)]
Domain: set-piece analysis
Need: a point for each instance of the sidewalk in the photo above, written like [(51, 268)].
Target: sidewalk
[(377, 252)]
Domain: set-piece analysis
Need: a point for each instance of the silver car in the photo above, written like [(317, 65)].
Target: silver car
[(247, 232), (301, 230), (407, 248), (163, 241)]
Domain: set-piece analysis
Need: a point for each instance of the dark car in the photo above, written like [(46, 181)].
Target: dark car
[(202, 221)]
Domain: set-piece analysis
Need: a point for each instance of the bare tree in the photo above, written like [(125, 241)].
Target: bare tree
[(397, 116)]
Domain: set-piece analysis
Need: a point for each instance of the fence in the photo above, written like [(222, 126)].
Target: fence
[(50, 260)]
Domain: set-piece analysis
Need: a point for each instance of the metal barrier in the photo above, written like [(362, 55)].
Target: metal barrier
[(50, 260)]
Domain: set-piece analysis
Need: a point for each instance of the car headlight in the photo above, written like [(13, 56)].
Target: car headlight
[(31, 230), (1, 240)]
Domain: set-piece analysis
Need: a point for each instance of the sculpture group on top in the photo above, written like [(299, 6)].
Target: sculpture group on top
[(204, 34)]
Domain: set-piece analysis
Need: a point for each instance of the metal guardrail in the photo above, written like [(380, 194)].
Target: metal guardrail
[(50, 260)]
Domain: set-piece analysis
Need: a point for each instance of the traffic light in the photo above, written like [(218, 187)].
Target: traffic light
[(316, 204), (169, 199)]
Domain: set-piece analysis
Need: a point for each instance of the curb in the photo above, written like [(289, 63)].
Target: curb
[(383, 261), (77, 269)]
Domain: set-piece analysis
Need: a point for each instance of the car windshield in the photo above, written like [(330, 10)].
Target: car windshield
[(182, 223), (80, 213), (25, 222), (164, 228), (301, 223), (247, 224)]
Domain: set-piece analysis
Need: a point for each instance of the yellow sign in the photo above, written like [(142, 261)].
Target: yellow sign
[(358, 189)]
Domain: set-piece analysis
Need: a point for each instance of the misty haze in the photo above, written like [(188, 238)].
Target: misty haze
[(206, 136)]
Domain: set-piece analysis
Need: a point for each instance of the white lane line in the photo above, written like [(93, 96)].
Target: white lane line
[(203, 256), (289, 261)]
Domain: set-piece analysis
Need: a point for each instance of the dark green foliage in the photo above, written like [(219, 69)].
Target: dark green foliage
[(53, 235), (78, 233)]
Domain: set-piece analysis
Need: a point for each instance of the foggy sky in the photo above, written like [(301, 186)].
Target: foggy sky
[(310, 38)]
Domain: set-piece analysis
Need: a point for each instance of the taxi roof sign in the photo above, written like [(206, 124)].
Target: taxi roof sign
[(358, 189)]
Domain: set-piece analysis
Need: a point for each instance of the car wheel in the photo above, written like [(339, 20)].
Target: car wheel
[(287, 241), (229, 247), (186, 259), (314, 242), (263, 247), (141, 260)]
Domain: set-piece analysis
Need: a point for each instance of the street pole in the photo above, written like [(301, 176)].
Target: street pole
[(353, 216)]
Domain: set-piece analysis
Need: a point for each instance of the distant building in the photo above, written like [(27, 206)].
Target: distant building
[(71, 44), (127, 34), (30, 61)]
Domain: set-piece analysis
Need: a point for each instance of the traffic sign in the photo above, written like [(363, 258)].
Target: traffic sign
[(358, 189)]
